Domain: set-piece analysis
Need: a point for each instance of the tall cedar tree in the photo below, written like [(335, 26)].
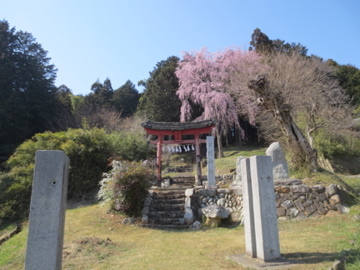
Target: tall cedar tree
[(126, 99), (27, 93), (159, 101)]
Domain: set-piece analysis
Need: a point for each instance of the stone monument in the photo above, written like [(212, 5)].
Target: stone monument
[(47, 211), (280, 167), (260, 218), (210, 162)]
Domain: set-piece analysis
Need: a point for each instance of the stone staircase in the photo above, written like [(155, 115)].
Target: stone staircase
[(167, 207)]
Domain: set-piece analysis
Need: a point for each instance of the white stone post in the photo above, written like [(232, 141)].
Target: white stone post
[(248, 208), (210, 161), (47, 211), (260, 216)]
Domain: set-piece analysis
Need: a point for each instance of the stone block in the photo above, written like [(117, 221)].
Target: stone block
[(236, 216), (299, 205), (215, 211), (279, 164), (265, 216), (335, 199), (307, 203), (322, 197), (331, 190), (188, 202), (287, 204), (292, 212), (300, 189), (310, 209), (206, 192), (282, 189), (47, 211), (280, 212), (189, 192), (318, 189), (188, 216)]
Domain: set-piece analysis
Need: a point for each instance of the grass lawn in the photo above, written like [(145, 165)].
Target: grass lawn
[(95, 239)]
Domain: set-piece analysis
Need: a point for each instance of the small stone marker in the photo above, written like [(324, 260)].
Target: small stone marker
[(210, 161), (260, 218), (47, 211), (279, 163)]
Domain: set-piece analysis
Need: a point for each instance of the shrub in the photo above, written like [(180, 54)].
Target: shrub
[(89, 151), (125, 187)]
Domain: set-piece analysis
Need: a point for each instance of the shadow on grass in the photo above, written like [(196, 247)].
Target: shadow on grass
[(348, 256)]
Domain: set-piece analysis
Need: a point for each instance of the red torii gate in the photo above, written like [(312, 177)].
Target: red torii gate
[(176, 130)]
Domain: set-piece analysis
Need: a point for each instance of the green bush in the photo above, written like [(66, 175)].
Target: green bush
[(125, 187), (89, 151), (342, 150)]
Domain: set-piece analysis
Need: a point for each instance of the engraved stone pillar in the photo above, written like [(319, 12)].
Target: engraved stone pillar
[(261, 230), (210, 161), (47, 211)]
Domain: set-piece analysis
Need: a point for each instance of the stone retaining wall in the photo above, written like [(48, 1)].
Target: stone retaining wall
[(292, 201)]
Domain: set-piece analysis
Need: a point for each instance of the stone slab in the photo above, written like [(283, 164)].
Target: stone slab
[(265, 216), (251, 263), (210, 156), (47, 211)]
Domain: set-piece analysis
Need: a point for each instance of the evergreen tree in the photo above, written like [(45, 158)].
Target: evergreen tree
[(126, 99), (28, 101), (159, 101)]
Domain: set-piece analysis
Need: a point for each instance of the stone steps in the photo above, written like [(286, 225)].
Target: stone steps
[(166, 227), (166, 210)]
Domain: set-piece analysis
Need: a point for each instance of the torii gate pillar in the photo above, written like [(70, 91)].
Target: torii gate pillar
[(176, 130)]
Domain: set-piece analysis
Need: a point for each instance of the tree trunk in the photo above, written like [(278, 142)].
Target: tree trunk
[(219, 142), (296, 137), (274, 102)]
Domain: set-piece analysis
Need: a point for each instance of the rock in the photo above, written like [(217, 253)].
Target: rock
[(292, 212), (196, 225), (236, 216), (188, 216), (331, 190), (221, 202), (310, 209), (337, 265), (187, 202), (343, 209), (145, 219), (281, 212), (147, 201), (318, 188), (128, 221), (300, 189), (215, 211), (189, 192), (280, 167), (335, 199), (237, 181), (206, 192), (145, 210), (287, 204), (237, 191), (282, 189)]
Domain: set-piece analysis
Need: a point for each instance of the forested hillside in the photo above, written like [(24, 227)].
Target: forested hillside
[(274, 91)]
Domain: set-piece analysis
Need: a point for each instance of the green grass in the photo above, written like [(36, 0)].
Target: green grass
[(95, 239)]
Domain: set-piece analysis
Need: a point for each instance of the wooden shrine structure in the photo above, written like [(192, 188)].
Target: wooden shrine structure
[(178, 133)]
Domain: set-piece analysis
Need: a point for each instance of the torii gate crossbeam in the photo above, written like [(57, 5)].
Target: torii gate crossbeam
[(177, 130)]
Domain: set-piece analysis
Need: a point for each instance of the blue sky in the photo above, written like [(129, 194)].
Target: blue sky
[(123, 40)]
